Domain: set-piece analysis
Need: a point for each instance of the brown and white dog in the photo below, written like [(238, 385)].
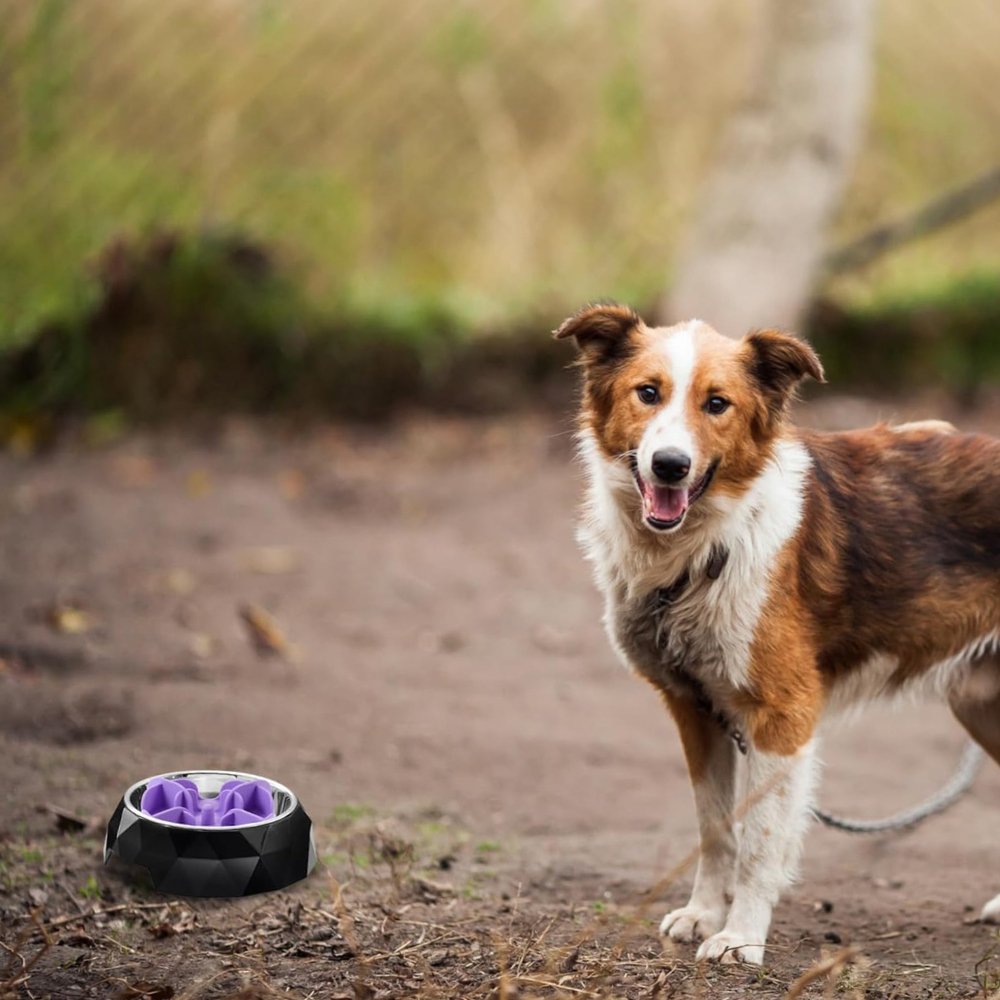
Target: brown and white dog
[(762, 577)]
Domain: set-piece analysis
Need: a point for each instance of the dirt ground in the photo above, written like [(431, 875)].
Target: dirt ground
[(500, 809)]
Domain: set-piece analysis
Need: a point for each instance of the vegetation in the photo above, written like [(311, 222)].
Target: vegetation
[(944, 335), (403, 193)]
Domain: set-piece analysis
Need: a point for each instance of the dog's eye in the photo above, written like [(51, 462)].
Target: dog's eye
[(716, 405), (649, 394)]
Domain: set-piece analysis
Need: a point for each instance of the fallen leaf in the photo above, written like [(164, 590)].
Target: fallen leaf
[(199, 483), (166, 928), (203, 645), (265, 633), (180, 581), (70, 619), (66, 821), (271, 560)]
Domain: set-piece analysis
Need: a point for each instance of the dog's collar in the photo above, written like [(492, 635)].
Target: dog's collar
[(665, 596), (717, 559)]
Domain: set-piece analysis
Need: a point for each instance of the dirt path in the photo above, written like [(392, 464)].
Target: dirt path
[(447, 709)]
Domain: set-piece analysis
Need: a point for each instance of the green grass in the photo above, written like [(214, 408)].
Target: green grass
[(482, 160), (467, 173), (181, 310), (931, 335), (90, 889), (348, 813)]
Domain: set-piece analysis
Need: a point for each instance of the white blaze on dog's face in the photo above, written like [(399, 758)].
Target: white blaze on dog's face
[(686, 409), (667, 457)]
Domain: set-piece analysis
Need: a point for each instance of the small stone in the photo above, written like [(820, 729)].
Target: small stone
[(38, 897)]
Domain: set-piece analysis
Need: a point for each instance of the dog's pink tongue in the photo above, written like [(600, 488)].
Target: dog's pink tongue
[(667, 504)]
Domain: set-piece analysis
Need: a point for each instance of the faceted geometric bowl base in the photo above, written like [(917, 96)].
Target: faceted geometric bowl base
[(214, 860)]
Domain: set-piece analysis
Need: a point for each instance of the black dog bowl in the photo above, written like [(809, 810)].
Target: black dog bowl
[(201, 833)]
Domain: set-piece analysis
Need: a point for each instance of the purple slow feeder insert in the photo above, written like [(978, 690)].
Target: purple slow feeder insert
[(176, 800)]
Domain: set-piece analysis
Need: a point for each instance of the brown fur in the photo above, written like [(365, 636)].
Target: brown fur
[(757, 375), (899, 553), (785, 704), (899, 550), (857, 563), (696, 730)]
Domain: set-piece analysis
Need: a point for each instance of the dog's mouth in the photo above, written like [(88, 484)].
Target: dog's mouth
[(664, 507)]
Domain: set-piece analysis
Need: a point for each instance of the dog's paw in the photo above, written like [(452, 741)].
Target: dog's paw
[(730, 947), (692, 923), (991, 912)]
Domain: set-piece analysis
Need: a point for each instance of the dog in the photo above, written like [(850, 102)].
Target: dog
[(763, 577)]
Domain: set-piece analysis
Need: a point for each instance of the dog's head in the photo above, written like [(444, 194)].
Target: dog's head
[(686, 410)]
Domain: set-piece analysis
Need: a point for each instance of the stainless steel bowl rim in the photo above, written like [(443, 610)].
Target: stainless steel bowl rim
[(276, 786)]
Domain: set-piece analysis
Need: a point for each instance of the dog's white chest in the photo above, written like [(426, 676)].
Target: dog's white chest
[(698, 629), (705, 628)]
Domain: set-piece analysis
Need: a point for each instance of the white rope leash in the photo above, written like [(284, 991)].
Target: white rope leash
[(957, 785)]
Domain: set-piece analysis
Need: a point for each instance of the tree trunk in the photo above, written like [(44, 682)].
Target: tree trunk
[(756, 242)]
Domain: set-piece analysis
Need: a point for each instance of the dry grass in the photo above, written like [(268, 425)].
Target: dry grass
[(492, 158), (378, 924), (15, 972)]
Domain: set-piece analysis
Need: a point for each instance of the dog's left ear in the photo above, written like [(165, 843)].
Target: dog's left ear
[(779, 361), (599, 330)]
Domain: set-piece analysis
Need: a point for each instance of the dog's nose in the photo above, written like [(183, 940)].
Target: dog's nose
[(670, 465)]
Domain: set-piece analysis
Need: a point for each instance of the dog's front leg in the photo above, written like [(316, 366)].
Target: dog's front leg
[(779, 794), (711, 759)]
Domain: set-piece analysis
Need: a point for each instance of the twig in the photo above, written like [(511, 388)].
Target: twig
[(118, 908), (952, 206), (410, 946), (432, 924), (80, 908), (117, 944), (519, 964), (828, 967), (345, 922), (21, 978), (555, 986)]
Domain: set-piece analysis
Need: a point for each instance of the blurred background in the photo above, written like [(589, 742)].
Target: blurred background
[(281, 188), (286, 476)]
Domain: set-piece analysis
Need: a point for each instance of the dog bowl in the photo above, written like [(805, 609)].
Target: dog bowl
[(212, 833)]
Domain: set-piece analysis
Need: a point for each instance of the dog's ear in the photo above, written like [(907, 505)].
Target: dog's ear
[(600, 331), (777, 363)]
